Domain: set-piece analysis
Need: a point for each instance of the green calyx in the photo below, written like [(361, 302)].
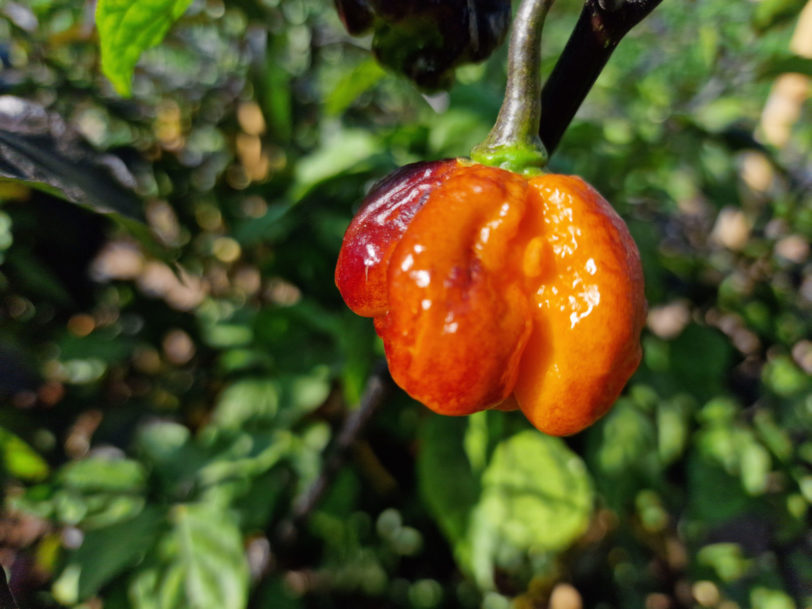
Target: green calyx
[(527, 157), (513, 143)]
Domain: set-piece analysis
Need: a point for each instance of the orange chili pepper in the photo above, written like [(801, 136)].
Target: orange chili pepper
[(490, 289)]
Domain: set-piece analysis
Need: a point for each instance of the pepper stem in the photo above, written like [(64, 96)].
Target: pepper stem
[(513, 142)]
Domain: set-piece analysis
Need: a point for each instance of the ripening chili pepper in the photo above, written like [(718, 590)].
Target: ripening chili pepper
[(493, 284), (492, 289)]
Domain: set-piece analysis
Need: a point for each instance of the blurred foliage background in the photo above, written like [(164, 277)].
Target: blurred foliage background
[(159, 427)]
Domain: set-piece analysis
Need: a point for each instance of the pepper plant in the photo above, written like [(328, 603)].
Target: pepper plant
[(191, 417)]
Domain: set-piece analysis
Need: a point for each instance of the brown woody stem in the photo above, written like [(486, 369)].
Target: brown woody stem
[(378, 388), (601, 26), (6, 597)]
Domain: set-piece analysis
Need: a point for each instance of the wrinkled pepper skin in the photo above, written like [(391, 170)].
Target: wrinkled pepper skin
[(493, 290), (426, 39)]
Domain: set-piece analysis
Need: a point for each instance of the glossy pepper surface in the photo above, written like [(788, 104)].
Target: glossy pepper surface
[(490, 289), (426, 39)]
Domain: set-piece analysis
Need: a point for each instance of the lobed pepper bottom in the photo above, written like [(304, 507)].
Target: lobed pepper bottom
[(494, 290)]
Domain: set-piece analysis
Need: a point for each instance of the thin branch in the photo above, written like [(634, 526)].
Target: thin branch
[(379, 386), (6, 597), (601, 26)]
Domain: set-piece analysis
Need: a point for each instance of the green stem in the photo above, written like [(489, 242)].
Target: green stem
[(513, 143)]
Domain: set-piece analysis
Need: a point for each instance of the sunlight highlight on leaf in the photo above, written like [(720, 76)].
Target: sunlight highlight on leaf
[(127, 29)]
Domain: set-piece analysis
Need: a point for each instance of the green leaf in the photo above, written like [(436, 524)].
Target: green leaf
[(707, 481), (735, 447), (537, 497), (534, 496), (766, 598), (106, 509), (755, 467), (103, 344), (343, 151), (785, 63), (38, 149), (673, 427), (352, 85), (200, 564), (455, 130), (162, 441), (726, 559), (37, 278), (243, 456), (446, 481), (275, 593), (623, 448), (774, 437), (627, 436), (769, 13), (784, 377), (283, 400), (247, 400), (97, 474), (303, 393), (19, 459), (699, 358), (275, 91), (299, 337), (105, 553), (175, 457), (127, 29)]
